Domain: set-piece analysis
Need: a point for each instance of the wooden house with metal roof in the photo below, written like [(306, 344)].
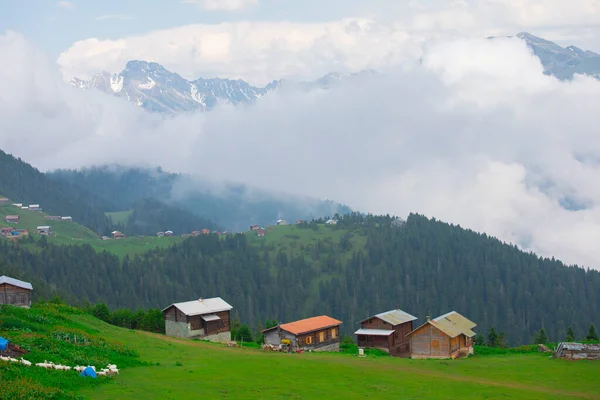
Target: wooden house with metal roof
[(320, 333), (387, 331), (207, 319), (15, 292), (447, 336)]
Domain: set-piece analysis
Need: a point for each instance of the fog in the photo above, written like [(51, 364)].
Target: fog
[(476, 135)]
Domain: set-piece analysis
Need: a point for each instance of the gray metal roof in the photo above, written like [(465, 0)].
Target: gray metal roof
[(15, 282), (374, 332), (394, 317), (202, 306)]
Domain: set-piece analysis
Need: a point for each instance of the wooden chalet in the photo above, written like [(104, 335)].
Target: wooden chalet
[(387, 331), (320, 333), (207, 319), (44, 230), (447, 336), (12, 219), (15, 292)]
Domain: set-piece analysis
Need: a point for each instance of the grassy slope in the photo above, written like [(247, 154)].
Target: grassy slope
[(65, 231), (119, 216), (70, 232), (188, 368)]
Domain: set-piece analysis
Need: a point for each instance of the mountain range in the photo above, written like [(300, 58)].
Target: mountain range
[(150, 86)]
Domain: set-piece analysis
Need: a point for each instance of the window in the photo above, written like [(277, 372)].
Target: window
[(435, 344), (308, 340), (322, 336), (333, 333)]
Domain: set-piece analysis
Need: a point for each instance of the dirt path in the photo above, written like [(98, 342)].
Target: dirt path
[(403, 368)]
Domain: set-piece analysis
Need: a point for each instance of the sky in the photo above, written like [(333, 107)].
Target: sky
[(475, 134)]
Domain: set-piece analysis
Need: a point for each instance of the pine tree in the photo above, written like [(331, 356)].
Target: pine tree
[(592, 336), (501, 340), (479, 340), (541, 337), (570, 335), (492, 337)]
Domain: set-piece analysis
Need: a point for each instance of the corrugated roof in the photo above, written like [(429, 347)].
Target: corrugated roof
[(202, 306), (374, 332), (394, 317), (15, 282), (309, 324), (452, 324)]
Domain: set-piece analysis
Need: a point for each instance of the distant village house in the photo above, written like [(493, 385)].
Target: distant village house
[(254, 227), (15, 292), (168, 233), (260, 232), (18, 205), (67, 218), (52, 217), (3, 200), (35, 207), (160, 234), (281, 222), (12, 219), (331, 222), (205, 231), (117, 235), (447, 336), (320, 333), (207, 319), (44, 230), (388, 332)]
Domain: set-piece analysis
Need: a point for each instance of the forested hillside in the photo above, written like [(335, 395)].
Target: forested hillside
[(362, 266), (232, 207), (150, 216), (22, 183)]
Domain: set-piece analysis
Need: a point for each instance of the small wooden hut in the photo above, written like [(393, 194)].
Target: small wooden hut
[(15, 292)]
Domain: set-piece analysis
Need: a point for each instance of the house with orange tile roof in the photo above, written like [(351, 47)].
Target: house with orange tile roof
[(320, 333)]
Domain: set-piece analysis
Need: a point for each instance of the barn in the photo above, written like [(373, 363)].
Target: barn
[(15, 292), (387, 331), (320, 333), (447, 336), (207, 319)]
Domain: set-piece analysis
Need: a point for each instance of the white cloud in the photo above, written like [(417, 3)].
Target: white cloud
[(66, 5), (256, 51), (223, 5), (260, 51), (120, 17), (476, 135)]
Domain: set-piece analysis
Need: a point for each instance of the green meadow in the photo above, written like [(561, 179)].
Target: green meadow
[(153, 366), (70, 232)]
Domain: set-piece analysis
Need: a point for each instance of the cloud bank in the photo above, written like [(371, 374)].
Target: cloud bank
[(474, 135), (379, 34)]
